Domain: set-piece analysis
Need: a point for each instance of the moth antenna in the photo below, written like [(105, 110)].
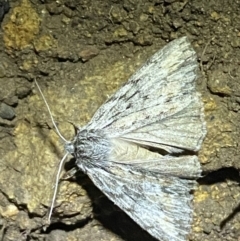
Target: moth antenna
[(50, 113), (56, 187), (63, 159)]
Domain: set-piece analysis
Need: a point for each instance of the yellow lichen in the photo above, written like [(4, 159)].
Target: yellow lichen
[(22, 27)]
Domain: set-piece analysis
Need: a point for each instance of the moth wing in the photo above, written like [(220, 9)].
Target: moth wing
[(185, 130), (160, 204), (164, 87), (124, 152)]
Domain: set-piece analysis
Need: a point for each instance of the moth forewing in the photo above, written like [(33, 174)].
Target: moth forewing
[(166, 80), (159, 203)]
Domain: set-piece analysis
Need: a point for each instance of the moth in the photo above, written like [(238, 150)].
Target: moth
[(140, 146)]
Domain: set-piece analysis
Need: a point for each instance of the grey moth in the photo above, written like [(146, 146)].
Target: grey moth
[(134, 148)]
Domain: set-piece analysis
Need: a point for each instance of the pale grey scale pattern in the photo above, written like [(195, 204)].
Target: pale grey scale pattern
[(144, 117), (183, 130), (182, 167), (175, 66), (159, 203)]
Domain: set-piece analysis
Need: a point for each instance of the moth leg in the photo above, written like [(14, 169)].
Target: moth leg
[(69, 174)]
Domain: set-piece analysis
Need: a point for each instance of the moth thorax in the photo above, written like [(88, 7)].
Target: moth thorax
[(91, 145)]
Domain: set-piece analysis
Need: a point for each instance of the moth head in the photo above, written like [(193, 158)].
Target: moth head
[(69, 147)]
